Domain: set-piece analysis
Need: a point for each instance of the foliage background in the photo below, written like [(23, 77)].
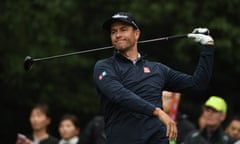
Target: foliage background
[(41, 28)]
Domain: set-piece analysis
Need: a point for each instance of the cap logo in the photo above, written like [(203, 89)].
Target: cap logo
[(119, 16)]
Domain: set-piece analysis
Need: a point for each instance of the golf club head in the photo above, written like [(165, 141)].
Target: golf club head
[(28, 63)]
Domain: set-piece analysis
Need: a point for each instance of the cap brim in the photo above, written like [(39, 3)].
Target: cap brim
[(215, 108), (107, 24)]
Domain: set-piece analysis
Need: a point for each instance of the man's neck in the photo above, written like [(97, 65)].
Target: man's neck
[(131, 54), (210, 130)]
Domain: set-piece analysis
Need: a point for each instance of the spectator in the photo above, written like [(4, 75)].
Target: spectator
[(40, 120), (69, 129), (94, 132), (233, 128), (214, 112), (170, 106)]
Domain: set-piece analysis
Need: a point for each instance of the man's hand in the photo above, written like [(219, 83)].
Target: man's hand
[(201, 35), (201, 31), (170, 124)]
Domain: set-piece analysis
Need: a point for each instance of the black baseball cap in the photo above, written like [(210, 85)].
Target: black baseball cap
[(121, 17)]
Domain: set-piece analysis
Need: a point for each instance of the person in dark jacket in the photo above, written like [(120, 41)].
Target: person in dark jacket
[(130, 87), (94, 132), (40, 120), (214, 112), (233, 128)]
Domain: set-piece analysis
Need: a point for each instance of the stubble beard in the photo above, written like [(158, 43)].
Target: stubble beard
[(124, 48)]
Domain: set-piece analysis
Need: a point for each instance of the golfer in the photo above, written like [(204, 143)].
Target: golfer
[(130, 87)]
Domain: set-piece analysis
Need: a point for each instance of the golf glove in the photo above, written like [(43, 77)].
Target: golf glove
[(201, 31), (199, 35)]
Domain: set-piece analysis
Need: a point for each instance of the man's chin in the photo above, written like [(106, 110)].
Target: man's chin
[(121, 48)]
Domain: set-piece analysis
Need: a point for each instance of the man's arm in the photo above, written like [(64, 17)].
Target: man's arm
[(199, 80), (109, 84)]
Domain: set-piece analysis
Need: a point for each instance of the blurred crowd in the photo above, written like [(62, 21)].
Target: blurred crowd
[(208, 130), (68, 129)]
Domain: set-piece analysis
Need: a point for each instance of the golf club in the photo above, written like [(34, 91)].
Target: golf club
[(28, 62)]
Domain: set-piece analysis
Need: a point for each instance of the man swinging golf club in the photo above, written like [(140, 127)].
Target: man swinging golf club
[(130, 86)]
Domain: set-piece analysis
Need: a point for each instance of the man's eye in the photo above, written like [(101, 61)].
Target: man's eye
[(113, 32)]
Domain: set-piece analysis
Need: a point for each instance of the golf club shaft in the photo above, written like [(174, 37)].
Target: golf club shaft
[(163, 38), (107, 47), (73, 53)]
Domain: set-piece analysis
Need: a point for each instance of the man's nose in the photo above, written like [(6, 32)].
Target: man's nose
[(118, 34)]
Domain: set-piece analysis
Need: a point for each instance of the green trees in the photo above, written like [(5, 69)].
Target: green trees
[(43, 28)]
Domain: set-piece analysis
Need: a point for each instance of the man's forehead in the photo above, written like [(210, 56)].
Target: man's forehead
[(236, 121), (206, 108), (120, 24)]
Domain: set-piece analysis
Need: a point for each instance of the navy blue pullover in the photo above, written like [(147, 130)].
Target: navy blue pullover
[(130, 92)]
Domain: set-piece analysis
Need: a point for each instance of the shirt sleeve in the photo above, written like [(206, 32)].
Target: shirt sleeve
[(108, 83), (199, 80)]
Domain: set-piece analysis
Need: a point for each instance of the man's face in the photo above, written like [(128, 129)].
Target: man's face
[(213, 118), (233, 129), (123, 36)]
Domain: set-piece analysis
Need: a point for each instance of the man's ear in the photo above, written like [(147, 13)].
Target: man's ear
[(137, 33), (223, 116)]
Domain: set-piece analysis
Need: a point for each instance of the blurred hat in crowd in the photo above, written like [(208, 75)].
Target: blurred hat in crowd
[(216, 103), (121, 17)]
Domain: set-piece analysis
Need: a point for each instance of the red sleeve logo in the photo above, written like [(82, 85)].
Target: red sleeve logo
[(146, 70)]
